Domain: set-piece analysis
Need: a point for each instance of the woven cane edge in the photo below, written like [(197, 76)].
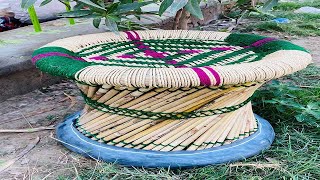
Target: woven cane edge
[(272, 66)]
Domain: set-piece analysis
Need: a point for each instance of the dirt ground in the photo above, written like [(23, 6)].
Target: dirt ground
[(46, 107)]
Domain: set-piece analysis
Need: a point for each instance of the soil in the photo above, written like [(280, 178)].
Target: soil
[(49, 106)]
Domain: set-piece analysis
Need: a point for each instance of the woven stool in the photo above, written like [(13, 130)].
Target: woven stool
[(168, 98)]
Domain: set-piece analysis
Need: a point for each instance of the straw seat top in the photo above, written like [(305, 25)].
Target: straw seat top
[(164, 58)]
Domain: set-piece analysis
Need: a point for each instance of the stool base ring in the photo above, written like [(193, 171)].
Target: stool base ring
[(239, 150)]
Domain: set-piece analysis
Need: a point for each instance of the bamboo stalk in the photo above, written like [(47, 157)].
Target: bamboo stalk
[(192, 130), (91, 91), (95, 114), (34, 19), (190, 103), (202, 131), (155, 131), (203, 138), (139, 106), (171, 135), (229, 127), (68, 8)]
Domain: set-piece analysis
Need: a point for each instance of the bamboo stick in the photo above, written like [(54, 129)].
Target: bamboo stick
[(202, 131), (198, 101), (139, 106), (68, 8), (189, 133), (172, 135), (34, 19), (210, 131)]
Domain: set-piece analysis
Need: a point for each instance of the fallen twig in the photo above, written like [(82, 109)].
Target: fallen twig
[(27, 130), (7, 164), (260, 166)]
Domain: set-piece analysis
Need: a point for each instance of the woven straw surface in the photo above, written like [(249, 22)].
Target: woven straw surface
[(170, 58)]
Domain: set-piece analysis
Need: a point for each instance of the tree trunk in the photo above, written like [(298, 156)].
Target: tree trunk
[(184, 20), (176, 20)]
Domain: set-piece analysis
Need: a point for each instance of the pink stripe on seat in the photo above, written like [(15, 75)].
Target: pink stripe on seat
[(204, 78), (215, 74), (49, 54)]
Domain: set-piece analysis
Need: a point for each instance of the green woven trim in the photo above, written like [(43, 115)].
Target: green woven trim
[(58, 65), (68, 67), (268, 48), (160, 115), (52, 49)]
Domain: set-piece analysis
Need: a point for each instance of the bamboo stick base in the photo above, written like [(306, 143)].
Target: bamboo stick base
[(74, 140), (185, 120), (219, 116)]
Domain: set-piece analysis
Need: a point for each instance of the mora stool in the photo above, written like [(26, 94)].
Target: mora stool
[(168, 98)]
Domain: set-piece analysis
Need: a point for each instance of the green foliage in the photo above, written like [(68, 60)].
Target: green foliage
[(300, 24), (45, 2), (269, 5), (244, 7), (25, 4), (291, 101), (116, 14), (113, 14), (76, 14), (290, 6), (164, 6), (176, 6), (194, 8)]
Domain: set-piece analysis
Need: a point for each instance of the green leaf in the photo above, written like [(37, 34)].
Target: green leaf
[(313, 105), (74, 14), (25, 4), (96, 22), (164, 6), (269, 5), (79, 6), (114, 17), (315, 114), (90, 3), (112, 8), (242, 2), (271, 101), (123, 8), (193, 7), (177, 5), (281, 108), (45, 2), (301, 117), (111, 25), (126, 1), (314, 109)]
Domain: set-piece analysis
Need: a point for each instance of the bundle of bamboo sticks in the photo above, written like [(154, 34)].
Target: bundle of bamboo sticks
[(168, 134)]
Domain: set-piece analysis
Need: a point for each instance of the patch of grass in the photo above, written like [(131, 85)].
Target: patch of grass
[(290, 6), (295, 153), (300, 24), (295, 99), (10, 41)]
